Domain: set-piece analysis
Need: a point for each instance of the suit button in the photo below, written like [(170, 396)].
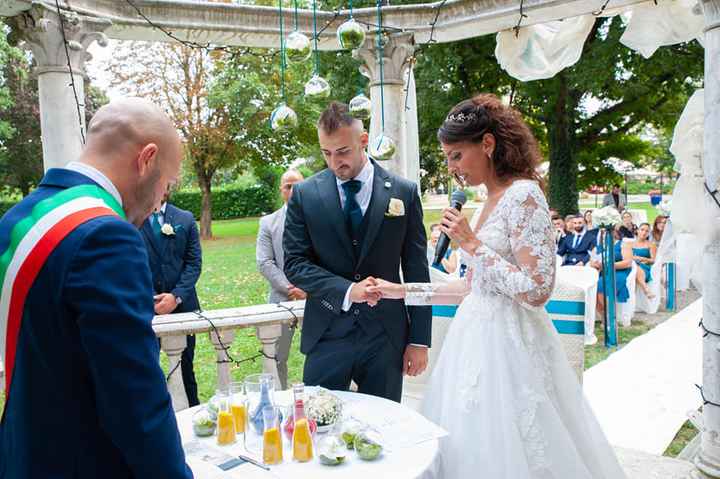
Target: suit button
[(357, 277), (357, 312), (354, 242)]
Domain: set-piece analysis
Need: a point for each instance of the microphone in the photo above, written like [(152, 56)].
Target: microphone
[(457, 200)]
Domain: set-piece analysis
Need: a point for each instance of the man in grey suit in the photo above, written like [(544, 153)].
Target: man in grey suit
[(270, 259), (615, 198)]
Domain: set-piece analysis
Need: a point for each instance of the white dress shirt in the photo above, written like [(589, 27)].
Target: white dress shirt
[(97, 176), (161, 214)]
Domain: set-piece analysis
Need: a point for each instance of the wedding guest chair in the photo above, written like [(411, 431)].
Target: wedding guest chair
[(587, 278)]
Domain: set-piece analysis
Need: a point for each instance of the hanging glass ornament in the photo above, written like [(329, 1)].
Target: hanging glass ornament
[(283, 118), (382, 148), (297, 47), (361, 107), (317, 88), (351, 35)]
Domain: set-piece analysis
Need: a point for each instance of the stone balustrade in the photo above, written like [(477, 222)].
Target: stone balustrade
[(221, 324)]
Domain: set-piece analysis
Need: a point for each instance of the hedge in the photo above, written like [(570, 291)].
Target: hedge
[(227, 203)]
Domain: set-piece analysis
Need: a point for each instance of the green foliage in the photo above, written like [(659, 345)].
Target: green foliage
[(229, 202), (5, 205)]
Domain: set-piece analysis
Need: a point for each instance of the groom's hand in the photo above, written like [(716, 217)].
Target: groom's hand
[(359, 292), (415, 360)]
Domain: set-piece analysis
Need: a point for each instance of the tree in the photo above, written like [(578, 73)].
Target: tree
[(178, 78)]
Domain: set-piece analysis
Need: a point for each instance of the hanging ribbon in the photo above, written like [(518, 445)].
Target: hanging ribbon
[(608, 278), (315, 38)]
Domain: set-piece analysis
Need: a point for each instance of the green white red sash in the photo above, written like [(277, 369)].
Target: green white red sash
[(32, 240)]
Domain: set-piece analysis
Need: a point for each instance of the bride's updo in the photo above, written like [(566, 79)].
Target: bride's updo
[(516, 153)]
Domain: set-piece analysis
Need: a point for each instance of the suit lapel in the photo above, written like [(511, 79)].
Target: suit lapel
[(151, 236), (330, 199), (378, 206)]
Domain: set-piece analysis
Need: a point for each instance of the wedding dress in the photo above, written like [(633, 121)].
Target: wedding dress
[(502, 386)]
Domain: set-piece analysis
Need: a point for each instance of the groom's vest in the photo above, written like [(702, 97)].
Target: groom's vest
[(349, 321)]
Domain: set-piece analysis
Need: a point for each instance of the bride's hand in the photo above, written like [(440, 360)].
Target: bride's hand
[(387, 290), (456, 226)]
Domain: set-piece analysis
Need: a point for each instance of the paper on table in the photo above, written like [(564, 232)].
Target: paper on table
[(399, 426), (204, 460)]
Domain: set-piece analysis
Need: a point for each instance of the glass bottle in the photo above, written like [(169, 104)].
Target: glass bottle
[(225, 421), (272, 439), (302, 439), (238, 406)]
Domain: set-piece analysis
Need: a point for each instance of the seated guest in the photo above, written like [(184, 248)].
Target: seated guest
[(560, 230), (623, 267), (588, 220), (449, 262), (615, 198), (644, 252), (575, 247), (628, 229), (569, 225), (658, 229)]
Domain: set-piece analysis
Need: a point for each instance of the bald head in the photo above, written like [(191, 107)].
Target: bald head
[(287, 180), (134, 143)]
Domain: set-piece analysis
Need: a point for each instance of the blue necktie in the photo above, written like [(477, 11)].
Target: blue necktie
[(155, 223), (352, 210)]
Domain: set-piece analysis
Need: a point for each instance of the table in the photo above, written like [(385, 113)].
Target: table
[(403, 457)]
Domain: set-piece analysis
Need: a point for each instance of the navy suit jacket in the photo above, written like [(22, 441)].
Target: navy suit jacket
[(320, 258), (175, 260), (88, 398), (573, 255)]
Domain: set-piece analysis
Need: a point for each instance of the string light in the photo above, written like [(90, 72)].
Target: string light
[(72, 75)]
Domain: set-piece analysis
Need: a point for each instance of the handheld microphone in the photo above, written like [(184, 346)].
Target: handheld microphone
[(457, 200)]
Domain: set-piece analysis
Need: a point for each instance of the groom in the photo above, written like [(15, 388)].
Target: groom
[(346, 225)]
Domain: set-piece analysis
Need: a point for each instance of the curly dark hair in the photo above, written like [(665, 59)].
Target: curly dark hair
[(516, 152)]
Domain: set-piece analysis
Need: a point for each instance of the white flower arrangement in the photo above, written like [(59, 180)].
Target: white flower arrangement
[(395, 208), (167, 229), (324, 407), (606, 217), (664, 207)]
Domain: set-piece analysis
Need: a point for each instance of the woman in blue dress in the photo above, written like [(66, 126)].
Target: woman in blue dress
[(623, 266), (644, 252)]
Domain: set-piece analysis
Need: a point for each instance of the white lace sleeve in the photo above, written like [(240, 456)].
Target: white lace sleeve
[(423, 294), (530, 280)]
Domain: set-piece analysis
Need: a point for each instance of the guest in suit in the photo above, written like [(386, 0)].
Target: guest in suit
[(628, 229), (85, 396), (560, 229), (173, 245), (270, 259), (615, 198), (345, 226), (575, 247)]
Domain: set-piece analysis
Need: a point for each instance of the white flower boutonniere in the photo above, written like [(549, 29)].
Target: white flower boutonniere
[(395, 208), (167, 230)]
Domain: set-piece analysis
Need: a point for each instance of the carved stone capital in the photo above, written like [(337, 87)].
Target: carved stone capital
[(711, 10), (41, 30), (397, 54)]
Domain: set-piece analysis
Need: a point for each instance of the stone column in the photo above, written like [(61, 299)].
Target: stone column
[(708, 460), (400, 115), (223, 368), (42, 31), (268, 336), (174, 347)]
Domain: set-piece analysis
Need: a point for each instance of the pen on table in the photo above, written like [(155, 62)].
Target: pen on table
[(253, 461)]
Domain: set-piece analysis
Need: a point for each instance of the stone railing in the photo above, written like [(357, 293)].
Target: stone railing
[(220, 324)]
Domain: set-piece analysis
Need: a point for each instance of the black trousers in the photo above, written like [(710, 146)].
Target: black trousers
[(370, 360)]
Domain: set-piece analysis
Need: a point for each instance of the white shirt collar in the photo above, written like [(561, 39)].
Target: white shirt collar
[(364, 176), (162, 208), (97, 176)]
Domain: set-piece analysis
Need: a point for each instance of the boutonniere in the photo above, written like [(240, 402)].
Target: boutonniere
[(167, 230), (395, 208)]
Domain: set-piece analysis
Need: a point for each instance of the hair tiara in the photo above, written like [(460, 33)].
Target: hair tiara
[(461, 117)]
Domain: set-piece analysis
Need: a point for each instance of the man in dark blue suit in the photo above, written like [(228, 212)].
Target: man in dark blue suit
[(346, 225), (173, 245), (575, 247), (86, 397)]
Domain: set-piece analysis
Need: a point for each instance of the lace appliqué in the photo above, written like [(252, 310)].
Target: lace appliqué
[(533, 438), (419, 294)]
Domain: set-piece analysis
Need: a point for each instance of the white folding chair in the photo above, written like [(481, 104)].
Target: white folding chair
[(586, 278)]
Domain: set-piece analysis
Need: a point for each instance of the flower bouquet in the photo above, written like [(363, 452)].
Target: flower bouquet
[(606, 217), (325, 408)]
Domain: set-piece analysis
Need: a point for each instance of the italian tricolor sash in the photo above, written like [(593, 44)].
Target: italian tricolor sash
[(32, 240)]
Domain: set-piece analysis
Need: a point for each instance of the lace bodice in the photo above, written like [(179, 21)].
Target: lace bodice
[(516, 257)]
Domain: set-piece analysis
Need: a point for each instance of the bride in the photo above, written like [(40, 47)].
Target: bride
[(502, 386)]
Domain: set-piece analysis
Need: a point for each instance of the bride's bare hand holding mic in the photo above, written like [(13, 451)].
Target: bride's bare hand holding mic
[(457, 227)]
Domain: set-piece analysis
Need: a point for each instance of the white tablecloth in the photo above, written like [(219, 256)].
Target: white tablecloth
[(402, 458)]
